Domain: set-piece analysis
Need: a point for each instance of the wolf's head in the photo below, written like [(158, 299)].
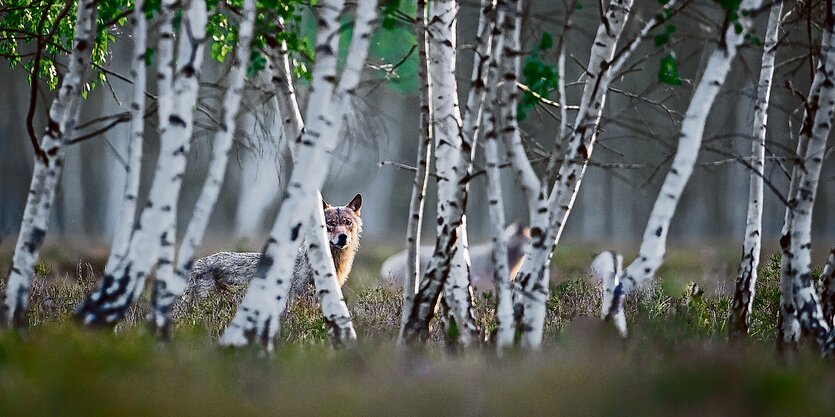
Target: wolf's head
[(344, 228), (344, 224)]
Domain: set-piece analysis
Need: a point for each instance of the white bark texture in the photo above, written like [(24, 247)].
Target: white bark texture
[(653, 245), (424, 152), (154, 235), (257, 318), (800, 308), (532, 281), (461, 329), (799, 263), (747, 277), (63, 114), (501, 273), (282, 78), (171, 282), (127, 213), (454, 150)]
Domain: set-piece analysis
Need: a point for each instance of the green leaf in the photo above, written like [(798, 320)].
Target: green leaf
[(668, 71), (661, 39), (149, 57), (547, 41)]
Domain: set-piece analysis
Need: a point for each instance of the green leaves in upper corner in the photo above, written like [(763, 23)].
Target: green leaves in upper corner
[(540, 77), (668, 70), (393, 46)]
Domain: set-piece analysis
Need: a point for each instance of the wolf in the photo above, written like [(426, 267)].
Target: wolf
[(481, 273), (225, 270)]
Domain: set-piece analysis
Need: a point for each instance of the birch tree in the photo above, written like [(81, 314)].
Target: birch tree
[(257, 318), (421, 181), (123, 228), (154, 233), (800, 307), (804, 311), (171, 281), (49, 157), (747, 276), (617, 282), (454, 150), (549, 211)]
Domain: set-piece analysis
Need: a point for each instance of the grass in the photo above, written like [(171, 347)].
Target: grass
[(675, 362)]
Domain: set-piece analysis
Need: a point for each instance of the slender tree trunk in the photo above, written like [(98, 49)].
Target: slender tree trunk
[(653, 245), (334, 309), (257, 318), (415, 221), (124, 227), (747, 277), (154, 234), (532, 281), (806, 301), (63, 114), (799, 307), (461, 329), (172, 281), (454, 151), (498, 255)]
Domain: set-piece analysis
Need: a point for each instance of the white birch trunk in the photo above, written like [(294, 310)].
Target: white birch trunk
[(63, 113), (258, 315), (501, 272), (794, 291), (747, 277), (532, 281), (806, 301), (127, 216), (120, 287), (171, 282), (448, 153), (461, 329), (653, 245), (331, 300), (424, 152)]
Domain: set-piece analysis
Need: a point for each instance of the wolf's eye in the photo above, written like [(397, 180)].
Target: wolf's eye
[(347, 222), (331, 224)]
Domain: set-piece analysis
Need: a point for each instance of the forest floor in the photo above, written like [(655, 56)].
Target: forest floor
[(676, 360)]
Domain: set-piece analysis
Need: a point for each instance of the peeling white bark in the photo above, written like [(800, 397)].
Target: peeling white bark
[(257, 318), (171, 281), (127, 216), (424, 152), (747, 277), (154, 234), (653, 245), (63, 114), (458, 294)]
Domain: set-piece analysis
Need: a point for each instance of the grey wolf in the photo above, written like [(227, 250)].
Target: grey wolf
[(481, 274), (230, 269)]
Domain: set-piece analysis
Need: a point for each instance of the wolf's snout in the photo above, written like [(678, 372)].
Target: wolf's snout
[(341, 240)]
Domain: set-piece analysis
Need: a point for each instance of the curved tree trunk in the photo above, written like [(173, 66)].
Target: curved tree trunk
[(653, 245), (257, 318), (154, 233), (171, 281), (63, 114), (747, 277)]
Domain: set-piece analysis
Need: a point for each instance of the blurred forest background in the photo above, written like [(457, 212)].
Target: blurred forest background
[(636, 145)]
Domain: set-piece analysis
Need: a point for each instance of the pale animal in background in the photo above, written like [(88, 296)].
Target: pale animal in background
[(394, 268)]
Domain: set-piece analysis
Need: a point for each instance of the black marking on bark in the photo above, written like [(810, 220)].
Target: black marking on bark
[(294, 232), (177, 120), (658, 231), (35, 239)]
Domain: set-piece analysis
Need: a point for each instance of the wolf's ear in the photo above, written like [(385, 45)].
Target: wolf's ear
[(355, 204), (325, 204)]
